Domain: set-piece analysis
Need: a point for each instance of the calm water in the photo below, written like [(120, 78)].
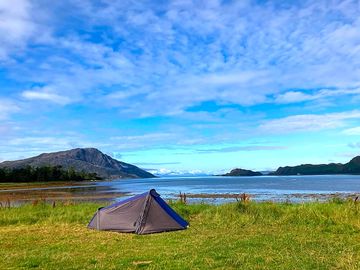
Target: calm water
[(276, 188)]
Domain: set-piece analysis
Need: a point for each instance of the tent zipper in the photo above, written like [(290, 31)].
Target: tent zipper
[(144, 213)]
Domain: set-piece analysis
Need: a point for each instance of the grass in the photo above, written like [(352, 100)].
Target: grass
[(230, 236)]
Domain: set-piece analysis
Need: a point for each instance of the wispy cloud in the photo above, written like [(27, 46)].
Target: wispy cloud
[(25, 146), (156, 163), (242, 148), (309, 122), (241, 63), (148, 136), (354, 145), (18, 27), (145, 75), (352, 131), (7, 107), (298, 96), (45, 94)]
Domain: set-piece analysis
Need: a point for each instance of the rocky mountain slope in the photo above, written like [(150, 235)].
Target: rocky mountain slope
[(90, 160)]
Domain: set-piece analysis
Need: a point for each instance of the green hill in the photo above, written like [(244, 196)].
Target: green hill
[(352, 167)]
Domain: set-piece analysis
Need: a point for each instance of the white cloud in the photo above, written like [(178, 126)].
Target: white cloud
[(49, 142), (293, 96), (170, 172), (149, 140), (45, 94), (145, 137), (352, 131), (242, 148), (17, 27), (23, 145), (245, 62), (39, 141), (192, 52), (164, 59), (308, 122), (298, 96), (7, 107), (243, 77), (354, 145)]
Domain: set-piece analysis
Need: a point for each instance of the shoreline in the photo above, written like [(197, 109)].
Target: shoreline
[(23, 193), (15, 198), (29, 185), (19, 193), (273, 198)]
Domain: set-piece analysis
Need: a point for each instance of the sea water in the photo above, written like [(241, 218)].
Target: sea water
[(260, 188)]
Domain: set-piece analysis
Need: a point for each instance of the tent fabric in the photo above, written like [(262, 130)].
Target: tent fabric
[(127, 200), (141, 214), (171, 212)]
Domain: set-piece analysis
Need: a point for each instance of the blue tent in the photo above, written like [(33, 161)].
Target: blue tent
[(141, 214)]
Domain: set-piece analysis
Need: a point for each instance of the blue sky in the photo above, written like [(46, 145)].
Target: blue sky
[(182, 85)]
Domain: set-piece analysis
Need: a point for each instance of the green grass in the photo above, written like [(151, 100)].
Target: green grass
[(231, 236)]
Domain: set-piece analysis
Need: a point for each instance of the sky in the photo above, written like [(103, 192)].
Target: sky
[(177, 86)]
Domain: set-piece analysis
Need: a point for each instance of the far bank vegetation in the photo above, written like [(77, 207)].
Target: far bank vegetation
[(44, 174)]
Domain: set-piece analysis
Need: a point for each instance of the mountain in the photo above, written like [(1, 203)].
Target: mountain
[(242, 172), (90, 160), (178, 173), (352, 167)]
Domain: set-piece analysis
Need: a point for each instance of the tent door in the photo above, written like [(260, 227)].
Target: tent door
[(144, 213)]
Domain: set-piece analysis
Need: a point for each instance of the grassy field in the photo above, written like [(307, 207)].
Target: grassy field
[(231, 236)]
